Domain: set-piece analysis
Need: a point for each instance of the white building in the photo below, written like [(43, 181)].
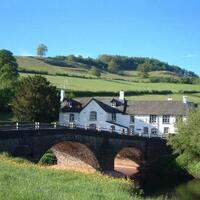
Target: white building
[(145, 118)]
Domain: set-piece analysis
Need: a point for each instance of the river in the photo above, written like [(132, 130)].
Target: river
[(153, 186), (171, 187)]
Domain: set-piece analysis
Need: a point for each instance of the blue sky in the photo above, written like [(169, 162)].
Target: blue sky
[(165, 29)]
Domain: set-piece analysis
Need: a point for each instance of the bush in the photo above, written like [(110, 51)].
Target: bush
[(48, 159)]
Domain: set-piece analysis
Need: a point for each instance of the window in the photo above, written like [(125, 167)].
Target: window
[(132, 118), (113, 104), (145, 130), (131, 129), (153, 118), (166, 130), (93, 116), (154, 131), (166, 119), (71, 117), (113, 117)]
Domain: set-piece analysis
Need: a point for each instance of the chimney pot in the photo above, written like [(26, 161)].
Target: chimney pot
[(62, 95), (121, 95)]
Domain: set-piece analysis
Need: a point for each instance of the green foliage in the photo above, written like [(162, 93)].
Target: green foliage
[(113, 67), (6, 94), (41, 50), (48, 159), (187, 143), (95, 72), (183, 80), (143, 70), (8, 77), (36, 100), (8, 68)]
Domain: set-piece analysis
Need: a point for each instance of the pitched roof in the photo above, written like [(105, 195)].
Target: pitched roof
[(158, 108), (138, 107), (107, 108)]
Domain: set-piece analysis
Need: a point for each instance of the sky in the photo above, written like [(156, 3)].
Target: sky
[(168, 30)]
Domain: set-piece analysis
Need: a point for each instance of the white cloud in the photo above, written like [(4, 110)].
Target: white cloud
[(191, 55)]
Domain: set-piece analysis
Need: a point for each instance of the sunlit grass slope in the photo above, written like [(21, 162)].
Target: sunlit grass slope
[(27, 181)]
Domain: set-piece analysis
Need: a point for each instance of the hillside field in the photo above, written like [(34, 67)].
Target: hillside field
[(129, 81)]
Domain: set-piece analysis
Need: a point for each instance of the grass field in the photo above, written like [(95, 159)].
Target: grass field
[(177, 97), (21, 180), (27, 181), (33, 63), (82, 84)]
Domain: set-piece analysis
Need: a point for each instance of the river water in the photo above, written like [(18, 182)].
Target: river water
[(173, 188)]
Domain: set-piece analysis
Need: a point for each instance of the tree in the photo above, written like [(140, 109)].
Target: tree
[(186, 143), (36, 100), (8, 77), (143, 70), (41, 50), (95, 72), (113, 67), (8, 67)]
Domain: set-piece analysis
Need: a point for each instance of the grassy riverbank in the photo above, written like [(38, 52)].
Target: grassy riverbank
[(21, 180), (28, 181)]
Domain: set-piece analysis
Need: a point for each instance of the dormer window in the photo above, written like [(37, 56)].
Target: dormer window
[(113, 104)]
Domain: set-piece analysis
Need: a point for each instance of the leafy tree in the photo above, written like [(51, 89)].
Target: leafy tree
[(8, 77), (41, 50), (8, 67), (186, 144), (36, 100), (95, 72), (113, 66), (143, 70)]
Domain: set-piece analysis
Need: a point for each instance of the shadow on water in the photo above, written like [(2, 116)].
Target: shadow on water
[(171, 187)]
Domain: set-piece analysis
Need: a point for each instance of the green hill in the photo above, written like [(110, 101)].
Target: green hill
[(76, 77)]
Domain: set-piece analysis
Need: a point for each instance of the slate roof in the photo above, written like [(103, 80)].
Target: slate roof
[(139, 107), (107, 108), (158, 107)]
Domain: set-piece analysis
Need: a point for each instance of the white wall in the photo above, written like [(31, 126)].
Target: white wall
[(141, 121), (64, 118), (102, 116)]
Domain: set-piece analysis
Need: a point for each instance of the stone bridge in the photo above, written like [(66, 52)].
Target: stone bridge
[(33, 143)]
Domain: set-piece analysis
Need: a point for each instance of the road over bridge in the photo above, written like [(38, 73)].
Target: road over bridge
[(32, 141)]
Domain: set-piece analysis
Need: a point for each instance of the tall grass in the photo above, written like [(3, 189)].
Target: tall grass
[(23, 180)]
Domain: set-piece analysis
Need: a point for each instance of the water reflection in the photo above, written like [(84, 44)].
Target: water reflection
[(173, 188), (189, 190)]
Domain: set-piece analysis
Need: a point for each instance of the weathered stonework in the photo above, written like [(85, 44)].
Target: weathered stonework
[(74, 154), (104, 146)]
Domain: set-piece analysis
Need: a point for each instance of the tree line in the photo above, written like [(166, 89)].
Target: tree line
[(116, 63)]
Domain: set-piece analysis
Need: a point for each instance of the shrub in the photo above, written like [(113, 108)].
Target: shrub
[(48, 159)]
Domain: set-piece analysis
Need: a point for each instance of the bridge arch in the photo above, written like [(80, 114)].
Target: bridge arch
[(75, 155), (69, 151), (128, 160)]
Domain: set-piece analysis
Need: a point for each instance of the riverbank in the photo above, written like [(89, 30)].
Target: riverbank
[(20, 179)]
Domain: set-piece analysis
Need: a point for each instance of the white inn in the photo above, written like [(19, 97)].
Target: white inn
[(143, 118)]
